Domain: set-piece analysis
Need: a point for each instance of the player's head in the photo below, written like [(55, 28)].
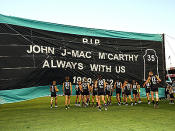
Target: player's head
[(168, 86), (126, 81), (85, 79), (99, 77), (133, 81), (150, 73), (54, 82), (67, 78), (79, 82)]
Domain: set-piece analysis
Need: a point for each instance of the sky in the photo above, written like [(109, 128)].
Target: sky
[(144, 16)]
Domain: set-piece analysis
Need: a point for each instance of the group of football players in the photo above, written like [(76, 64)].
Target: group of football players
[(102, 91)]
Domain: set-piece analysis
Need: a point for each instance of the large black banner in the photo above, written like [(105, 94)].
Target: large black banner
[(33, 57)]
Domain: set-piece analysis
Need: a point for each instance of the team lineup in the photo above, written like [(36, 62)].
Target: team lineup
[(102, 91)]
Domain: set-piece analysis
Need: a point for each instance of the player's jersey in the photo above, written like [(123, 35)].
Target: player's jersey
[(85, 85), (111, 88), (127, 87), (153, 80), (67, 85), (77, 88), (108, 87), (53, 88), (148, 85), (134, 87), (100, 85), (118, 85), (93, 87)]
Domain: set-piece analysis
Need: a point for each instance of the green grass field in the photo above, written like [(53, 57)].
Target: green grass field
[(36, 115)]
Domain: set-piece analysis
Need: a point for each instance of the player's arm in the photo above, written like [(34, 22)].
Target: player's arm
[(149, 78), (115, 84), (89, 87), (71, 87), (63, 88), (123, 85), (144, 84), (80, 87), (95, 84), (104, 84), (50, 89), (56, 89), (158, 78)]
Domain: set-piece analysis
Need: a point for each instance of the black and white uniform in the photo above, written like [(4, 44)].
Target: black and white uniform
[(148, 87), (77, 89), (118, 87), (67, 88), (100, 86), (107, 90), (134, 89), (154, 83), (94, 90), (127, 89), (53, 91), (85, 88)]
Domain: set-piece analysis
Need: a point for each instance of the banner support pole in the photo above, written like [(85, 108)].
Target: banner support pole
[(163, 52)]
